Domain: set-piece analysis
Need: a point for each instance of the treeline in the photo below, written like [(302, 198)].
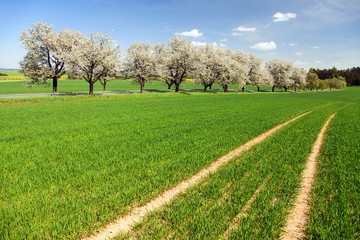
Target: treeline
[(351, 75), (95, 58)]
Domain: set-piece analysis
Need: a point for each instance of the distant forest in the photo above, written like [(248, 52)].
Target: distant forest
[(351, 75)]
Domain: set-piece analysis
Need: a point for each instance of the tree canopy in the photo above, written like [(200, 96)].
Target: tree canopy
[(96, 57)]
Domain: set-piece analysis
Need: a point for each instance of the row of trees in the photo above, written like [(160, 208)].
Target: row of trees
[(313, 82), (96, 58), (351, 75)]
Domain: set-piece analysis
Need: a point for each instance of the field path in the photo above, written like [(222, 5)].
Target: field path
[(245, 209), (298, 216), (124, 223)]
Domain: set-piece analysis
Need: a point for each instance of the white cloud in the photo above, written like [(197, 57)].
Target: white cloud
[(193, 33), (333, 11), (245, 29), (223, 40), (202, 44), (264, 46), (314, 47), (198, 44), (317, 62), (301, 63), (298, 53), (283, 17), (293, 44), (222, 45), (237, 34)]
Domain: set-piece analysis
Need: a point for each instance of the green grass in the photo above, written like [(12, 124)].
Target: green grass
[(64, 86), (335, 210), (208, 210), (71, 164)]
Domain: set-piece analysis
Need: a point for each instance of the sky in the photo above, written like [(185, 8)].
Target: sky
[(310, 33)]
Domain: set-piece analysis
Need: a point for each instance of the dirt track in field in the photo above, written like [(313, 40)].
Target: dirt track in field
[(298, 216), (235, 223), (124, 223)]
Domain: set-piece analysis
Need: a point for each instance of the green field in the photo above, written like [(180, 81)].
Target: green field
[(335, 212), (71, 164), (14, 83), (207, 211), (73, 86)]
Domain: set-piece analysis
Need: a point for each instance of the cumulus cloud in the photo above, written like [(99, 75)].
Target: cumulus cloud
[(264, 46), (301, 63), (283, 17), (223, 40), (202, 44), (195, 33), (245, 29)]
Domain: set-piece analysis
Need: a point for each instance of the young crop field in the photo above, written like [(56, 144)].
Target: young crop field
[(335, 212), (69, 165), (207, 211)]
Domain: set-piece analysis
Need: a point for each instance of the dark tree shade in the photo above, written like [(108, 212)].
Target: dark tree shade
[(351, 75)]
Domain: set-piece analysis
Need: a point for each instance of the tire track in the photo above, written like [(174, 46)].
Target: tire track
[(124, 223), (298, 216), (235, 223)]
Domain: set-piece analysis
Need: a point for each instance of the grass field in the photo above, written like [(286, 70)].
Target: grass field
[(66, 86), (71, 164), (207, 211), (14, 83), (335, 212)]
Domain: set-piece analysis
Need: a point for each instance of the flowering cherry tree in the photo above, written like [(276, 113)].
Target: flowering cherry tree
[(94, 58), (255, 72), (209, 66), (179, 61), (140, 63), (43, 60), (299, 77), (281, 72)]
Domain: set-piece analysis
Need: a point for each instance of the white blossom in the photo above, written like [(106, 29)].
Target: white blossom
[(179, 59), (281, 72), (94, 58), (44, 58), (140, 63)]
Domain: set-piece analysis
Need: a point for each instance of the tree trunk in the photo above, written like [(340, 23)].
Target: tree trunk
[(177, 87), (273, 89), (295, 89), (142, 87), (91, 88), (258, 88), (169, 84), (55, 84), (243, 89), (205, 87), (210, 86), (285, 89), (226, 88), (104, 86)]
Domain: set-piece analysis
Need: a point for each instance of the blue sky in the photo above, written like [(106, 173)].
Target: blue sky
[(311, 33)]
